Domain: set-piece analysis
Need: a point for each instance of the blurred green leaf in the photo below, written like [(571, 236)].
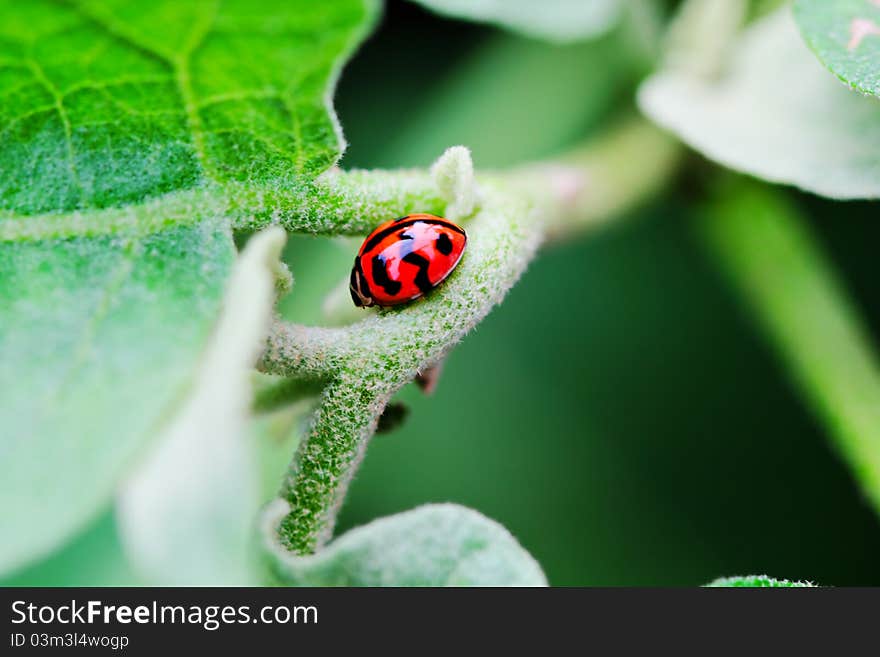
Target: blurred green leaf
[(277, 434), (845, 35), (92, 558), (698, 40), (185, 514), (555, 20), (760, 8), (433, 545), (104, 311), (499, 90), (98, 338), (757, 581), (809, 131), (774, 261), (108, 103)]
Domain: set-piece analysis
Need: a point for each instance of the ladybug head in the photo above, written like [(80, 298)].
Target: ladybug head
[(360, 290)]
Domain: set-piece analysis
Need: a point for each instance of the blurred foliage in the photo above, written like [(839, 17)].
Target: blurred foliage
[(757, 581), (652, 438)]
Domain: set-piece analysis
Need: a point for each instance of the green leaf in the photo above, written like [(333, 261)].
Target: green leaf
[(791, 287), (776, 113), (109, 102), (98, 338), (277, 434), (433, 545), (555, 20), (93, 558), (845, 35), (698, 39), (186, 513), (128, 128), (757, 581)]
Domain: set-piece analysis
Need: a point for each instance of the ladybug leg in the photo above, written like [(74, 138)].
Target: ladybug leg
[(428, 378), (392, 417)]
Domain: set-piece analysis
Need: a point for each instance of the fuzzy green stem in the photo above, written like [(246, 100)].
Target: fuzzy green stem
[(326, 462), (337, 203), (374, 358), (368, 362)]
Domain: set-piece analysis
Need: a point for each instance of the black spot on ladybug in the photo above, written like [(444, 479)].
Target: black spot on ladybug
[(444, 244), (380, 276), (421, 280)]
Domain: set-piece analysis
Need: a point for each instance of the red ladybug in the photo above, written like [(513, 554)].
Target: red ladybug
[(405, 258)]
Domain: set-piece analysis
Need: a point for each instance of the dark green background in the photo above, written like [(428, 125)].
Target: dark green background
[(618, 412)]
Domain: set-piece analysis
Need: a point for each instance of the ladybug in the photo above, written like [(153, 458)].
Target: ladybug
[(405, 258)]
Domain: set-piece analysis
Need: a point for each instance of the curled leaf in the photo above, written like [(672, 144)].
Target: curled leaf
[(432, 545), (185, 514), (99, 337)]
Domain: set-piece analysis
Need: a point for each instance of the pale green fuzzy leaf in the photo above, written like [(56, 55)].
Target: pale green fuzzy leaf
[(110, 102), (432, 545), (757, 581), (185, 513), (810, 131), (98, 338), (845, 35), (555, 20), (794, 293)]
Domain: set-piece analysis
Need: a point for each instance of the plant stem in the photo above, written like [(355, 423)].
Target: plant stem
[(776, 264), (602, 180), (326, 462), (368, 362)]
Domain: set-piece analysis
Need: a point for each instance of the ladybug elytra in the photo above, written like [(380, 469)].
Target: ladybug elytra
[(405, 258)]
